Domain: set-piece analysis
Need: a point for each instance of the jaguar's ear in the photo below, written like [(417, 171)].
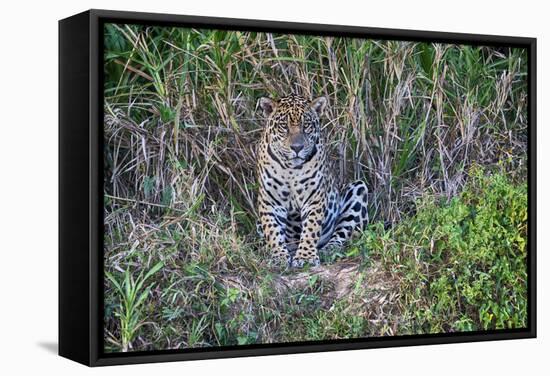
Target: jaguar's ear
[(267, 105), (318, 105)]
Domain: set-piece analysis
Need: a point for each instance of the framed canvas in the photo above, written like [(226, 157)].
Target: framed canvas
[(238, 187)]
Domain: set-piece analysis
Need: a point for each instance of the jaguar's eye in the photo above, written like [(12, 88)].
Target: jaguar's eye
[(282, 127)]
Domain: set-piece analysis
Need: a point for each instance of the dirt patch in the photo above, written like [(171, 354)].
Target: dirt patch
[(371, 291), (364, 291), (346, 277)]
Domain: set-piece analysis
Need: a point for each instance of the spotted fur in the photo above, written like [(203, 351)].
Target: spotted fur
[(301, 211)]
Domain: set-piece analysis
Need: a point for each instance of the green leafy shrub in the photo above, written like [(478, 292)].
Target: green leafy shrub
[(462, 263)]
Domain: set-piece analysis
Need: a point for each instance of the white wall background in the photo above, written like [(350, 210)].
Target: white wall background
[(28, 185)]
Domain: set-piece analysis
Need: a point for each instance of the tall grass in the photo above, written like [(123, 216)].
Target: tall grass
[(181, 125)]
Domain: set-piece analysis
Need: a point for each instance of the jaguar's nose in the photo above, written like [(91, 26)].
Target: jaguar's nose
[(297, 147)]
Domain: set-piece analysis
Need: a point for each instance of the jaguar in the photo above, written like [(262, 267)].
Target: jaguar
[(302, 212)]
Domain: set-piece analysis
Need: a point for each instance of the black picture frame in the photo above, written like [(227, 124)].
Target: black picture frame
[(80, 187)]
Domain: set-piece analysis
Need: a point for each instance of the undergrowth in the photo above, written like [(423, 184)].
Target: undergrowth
[(457, 265), (462, 266)]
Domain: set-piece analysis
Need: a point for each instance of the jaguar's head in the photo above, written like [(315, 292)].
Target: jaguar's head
[(293, 127)]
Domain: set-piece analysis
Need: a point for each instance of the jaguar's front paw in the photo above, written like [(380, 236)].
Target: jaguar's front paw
[(300, 260), (281, 257)]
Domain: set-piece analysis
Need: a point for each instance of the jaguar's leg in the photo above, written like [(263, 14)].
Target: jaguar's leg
[(353, 215), (312, 220), (259, 229), (293, 231), (273, 224), (330, 218)]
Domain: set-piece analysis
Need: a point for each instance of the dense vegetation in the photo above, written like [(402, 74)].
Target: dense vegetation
[(462, 265), (438, 132)]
